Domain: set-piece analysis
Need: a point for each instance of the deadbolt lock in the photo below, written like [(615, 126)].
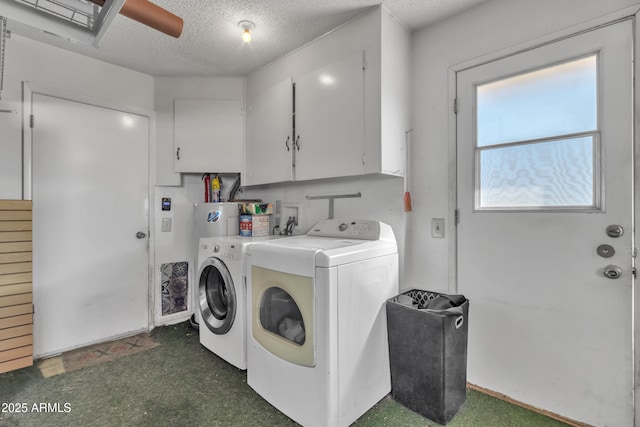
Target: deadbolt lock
[(615, 230)]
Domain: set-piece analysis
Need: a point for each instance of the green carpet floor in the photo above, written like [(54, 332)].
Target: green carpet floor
[(180, 383)]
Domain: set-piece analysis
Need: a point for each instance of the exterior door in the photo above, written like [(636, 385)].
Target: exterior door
[(545, 167), (90, 199)]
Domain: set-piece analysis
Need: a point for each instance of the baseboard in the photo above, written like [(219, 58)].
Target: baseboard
[(526, 406)]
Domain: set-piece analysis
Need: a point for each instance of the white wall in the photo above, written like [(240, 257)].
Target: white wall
[(381, 200), (487, 28), (27, 60)]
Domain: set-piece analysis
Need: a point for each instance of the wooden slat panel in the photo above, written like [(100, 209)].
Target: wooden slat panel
[(16, 332), (15, 247), (20, 288), (15, 215), (12, 365), (11, 322), (15, 225), (16, 353), (17, 267), (11, 279), (15, 300), (16, 310), (16, 236), (12, 343), (15, 205), (15, 257)]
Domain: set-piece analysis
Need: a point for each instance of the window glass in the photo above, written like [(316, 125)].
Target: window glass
[(553, 173), (557, 100), (537, 140), (216, 291), (279, 314)]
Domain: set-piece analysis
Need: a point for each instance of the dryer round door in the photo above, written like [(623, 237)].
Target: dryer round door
[(217, 296), (282, 319)]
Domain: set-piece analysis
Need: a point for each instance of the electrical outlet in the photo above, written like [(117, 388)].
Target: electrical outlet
[(437, 228)]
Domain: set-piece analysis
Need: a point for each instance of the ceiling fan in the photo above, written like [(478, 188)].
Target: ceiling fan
[(86, 21)]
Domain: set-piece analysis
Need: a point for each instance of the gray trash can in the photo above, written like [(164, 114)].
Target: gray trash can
[(428, 352)]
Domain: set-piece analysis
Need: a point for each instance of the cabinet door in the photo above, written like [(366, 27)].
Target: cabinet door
[(207, 135), (269, 135), (329, 114)]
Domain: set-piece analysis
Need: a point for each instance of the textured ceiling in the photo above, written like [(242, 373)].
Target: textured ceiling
[(210, 44)]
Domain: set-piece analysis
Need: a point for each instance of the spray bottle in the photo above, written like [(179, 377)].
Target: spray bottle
[(215, 189)]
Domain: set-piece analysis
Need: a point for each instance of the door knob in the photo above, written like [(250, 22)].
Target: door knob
[(141, 235), (615, 230), (612, 272)]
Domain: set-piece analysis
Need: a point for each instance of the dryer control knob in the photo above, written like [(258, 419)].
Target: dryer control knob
[(216, 249)]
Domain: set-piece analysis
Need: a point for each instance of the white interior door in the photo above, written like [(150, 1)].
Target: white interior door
[(545, 165), (90, 198)]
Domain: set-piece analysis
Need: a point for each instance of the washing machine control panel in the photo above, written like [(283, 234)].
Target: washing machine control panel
[(223, 250)]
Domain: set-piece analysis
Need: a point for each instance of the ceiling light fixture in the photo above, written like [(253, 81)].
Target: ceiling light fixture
[(246, 26)]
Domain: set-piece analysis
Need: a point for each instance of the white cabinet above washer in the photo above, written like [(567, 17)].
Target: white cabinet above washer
[(268, 154), (351, 106), (329, 120), (208, 135), (308, 127)]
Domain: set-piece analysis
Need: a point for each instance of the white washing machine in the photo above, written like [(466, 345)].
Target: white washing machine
[(213, 220), (222, 296), (317, 337)]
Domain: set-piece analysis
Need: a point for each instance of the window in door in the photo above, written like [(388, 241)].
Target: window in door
[(537, 139)]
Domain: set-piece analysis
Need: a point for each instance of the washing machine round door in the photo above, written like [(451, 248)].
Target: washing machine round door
[(217, 296)]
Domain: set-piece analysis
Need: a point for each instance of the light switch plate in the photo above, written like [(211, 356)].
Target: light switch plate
[(437, 228), (166, 224)]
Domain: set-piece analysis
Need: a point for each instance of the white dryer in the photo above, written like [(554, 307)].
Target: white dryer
[(317, 338), (222, 296)]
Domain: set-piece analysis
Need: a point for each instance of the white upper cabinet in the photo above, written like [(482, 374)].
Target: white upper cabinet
[(208, 135), (269, 141), (350, 106), (329, 120)]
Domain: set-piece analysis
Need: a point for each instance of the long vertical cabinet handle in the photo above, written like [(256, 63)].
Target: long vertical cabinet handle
[(293, 128), (178, 153)]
